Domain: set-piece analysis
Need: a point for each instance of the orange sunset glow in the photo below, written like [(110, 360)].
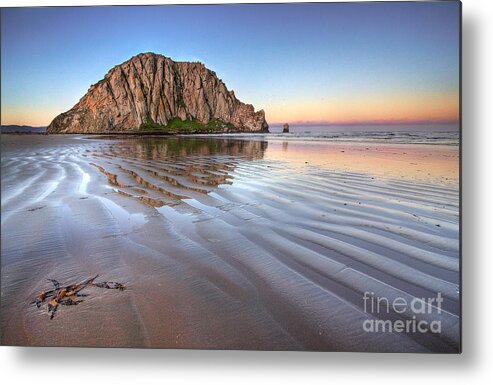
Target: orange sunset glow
[(372, 108)]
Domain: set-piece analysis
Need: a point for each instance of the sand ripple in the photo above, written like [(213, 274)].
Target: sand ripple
[(220, 246)]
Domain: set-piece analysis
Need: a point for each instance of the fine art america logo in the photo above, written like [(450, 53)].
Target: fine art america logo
[(386, 313)]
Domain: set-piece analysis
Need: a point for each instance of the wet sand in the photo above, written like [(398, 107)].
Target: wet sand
[(227, 243)]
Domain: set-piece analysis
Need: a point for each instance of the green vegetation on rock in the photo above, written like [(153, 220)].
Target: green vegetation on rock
[(177, 125)]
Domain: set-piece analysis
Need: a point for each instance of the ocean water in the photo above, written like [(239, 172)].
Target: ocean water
[(433, 134)]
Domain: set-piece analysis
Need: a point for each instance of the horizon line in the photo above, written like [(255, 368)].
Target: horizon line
[(370, 122), (321, 122)]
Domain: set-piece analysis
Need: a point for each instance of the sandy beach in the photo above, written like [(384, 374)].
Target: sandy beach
[(228, 243)]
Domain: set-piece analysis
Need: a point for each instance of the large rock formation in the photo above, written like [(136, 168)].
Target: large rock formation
[(149, 92)]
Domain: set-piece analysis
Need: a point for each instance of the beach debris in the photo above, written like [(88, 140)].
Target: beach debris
[(68, 295), (110, 285), (36, 208)]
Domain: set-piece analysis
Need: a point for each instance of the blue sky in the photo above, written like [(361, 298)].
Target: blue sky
[(299, 62)]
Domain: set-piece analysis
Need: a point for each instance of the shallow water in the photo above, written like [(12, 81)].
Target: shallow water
[(243, 242)]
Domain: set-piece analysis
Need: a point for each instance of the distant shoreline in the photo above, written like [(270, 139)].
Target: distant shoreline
[(23, 133)]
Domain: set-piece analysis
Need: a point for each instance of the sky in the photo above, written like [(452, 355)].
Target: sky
[(337, 63)]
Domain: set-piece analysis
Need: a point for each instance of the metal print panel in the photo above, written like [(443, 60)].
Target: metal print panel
[(263, 176)]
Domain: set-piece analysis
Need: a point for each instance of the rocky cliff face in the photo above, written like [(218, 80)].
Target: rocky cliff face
[(150, 91)]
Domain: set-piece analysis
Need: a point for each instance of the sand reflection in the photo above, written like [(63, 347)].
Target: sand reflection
[(164, 171), (430, 163)]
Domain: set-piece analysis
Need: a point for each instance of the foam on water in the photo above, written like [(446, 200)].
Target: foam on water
[(431, 134)]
